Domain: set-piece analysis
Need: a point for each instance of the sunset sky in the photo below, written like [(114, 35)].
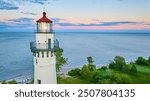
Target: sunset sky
[(76, 15)]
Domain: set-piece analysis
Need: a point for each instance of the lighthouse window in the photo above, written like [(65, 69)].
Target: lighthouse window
[(42, 54), (50, 26)]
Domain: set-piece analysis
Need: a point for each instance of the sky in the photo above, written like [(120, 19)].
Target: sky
[(76, 15)]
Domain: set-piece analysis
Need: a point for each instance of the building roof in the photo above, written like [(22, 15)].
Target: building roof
[(44, 19)]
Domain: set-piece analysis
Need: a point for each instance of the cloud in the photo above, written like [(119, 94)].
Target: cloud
[(28, 13), (7, 6), (18, 23), (13, 4), (42, 2), (98, 23), (30, 24), (58, 20), (118, 23), (68, 24), (21, 20)]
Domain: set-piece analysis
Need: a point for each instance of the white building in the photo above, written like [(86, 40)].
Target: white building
[(44, 52)]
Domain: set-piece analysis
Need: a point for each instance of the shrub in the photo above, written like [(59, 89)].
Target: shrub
[(74, 72), (90, 63), (104, 68), (86, 73), (105, 81), (141, 61), (112, 65), (120, 79), (60, 60), (133, 69), (12, 82), (119, 64)]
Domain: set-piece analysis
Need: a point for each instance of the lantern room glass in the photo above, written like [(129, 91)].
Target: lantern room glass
[(44, 27)]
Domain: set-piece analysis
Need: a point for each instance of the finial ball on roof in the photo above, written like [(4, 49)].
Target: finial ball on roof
[(44, 13)]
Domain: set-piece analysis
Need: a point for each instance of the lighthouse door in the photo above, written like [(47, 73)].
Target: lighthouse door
[(49, 43)]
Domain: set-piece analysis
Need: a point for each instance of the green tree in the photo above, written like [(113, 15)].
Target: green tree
[(119, 63), (60, 60), (90, 63), (90, 60), (141, 61), (74, 72), (133, 69), (86, 73), (118, 78), (112, 65), (99, 75)]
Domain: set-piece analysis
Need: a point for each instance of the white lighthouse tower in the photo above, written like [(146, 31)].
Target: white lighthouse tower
[(44, 49)]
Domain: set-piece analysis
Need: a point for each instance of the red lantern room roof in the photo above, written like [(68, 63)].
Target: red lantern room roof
[(44, 19)]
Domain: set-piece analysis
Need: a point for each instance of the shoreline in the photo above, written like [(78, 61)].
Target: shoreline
[(27, 78)]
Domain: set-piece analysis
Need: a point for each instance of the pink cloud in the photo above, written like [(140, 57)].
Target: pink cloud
[(119, 27)]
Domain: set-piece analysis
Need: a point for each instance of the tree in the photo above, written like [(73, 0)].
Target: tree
[(99, 75), (141, 61), (90, 63), (90, 60), (86, 73), (104, 68), (112, 65), (133, 69), (60, 60), (119, 63), (74, 72)]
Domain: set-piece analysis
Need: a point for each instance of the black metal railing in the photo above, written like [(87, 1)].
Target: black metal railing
[(35, 47)]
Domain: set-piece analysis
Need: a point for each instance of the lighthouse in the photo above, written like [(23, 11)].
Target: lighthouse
[(44, 48)]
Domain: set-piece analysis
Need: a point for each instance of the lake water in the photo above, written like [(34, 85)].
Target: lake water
[(16, 59)]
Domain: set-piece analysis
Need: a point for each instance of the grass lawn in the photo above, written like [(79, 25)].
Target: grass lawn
[(143, 69), (143, 75), (71, 80)]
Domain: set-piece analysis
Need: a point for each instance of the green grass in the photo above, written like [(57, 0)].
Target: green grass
[(143, 75), (72, 80), (143, 69)]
